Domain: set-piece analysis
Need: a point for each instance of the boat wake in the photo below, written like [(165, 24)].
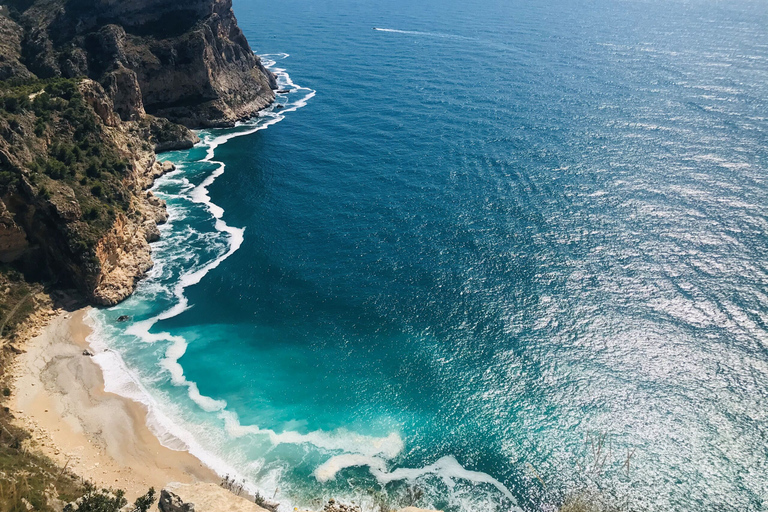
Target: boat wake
[(420, 33)]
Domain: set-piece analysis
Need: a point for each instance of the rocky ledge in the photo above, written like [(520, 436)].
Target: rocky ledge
[(213, 498), (188, 62), (90, 90)]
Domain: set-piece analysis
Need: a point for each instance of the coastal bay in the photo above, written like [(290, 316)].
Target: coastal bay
[(503, 257), (58, 394)]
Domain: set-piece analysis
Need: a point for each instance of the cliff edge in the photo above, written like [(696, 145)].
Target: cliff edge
[(90, 90), (188, 62)]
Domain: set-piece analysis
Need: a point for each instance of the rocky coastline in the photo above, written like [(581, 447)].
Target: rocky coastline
[(90, 92), (147, 71)]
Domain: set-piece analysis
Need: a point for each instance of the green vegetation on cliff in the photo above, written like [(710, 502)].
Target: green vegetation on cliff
[(61, 149)]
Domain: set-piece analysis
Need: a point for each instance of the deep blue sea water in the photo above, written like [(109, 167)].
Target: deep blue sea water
[(497, 253)]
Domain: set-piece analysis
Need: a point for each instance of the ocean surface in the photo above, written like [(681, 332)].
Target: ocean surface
[(484, 255)]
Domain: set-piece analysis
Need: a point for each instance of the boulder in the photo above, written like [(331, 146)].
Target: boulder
[(170, 502)]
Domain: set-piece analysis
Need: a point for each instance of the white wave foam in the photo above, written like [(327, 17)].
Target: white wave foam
[(119, 379), (338, 440), (446, 468), (200, 195), (328, 470)]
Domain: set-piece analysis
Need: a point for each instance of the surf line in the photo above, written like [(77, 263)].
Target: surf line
[(235, 235), (119, 378)]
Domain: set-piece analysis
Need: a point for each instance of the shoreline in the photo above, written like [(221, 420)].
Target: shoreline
[(58, 396)]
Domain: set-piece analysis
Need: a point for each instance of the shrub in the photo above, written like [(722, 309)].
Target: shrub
[(92, 171), (144, 503), (91, 214), (55, 169)]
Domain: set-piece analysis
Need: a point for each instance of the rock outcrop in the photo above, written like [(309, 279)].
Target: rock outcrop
[(13, 240), (171, 502), (186, 61), (75, 228), (77, 154), (335, 506), (203, 497)]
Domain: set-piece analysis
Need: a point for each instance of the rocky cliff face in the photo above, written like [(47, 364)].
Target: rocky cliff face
[(185, 61), (87, 224), (77, 155)]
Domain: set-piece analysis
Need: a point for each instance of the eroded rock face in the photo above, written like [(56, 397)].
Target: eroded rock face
[(123, 254), (44, 233), (185, 61), (13, 240), (11, 35), (171, 502)]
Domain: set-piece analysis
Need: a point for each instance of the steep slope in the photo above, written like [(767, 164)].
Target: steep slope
[(89, 91), (185, 61)]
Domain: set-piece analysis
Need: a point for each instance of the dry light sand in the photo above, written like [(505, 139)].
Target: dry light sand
[(59, 397)]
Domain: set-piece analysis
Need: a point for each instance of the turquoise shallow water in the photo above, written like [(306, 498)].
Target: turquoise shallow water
[(480, 240)]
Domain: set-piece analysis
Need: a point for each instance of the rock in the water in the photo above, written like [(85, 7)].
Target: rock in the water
[(123, 318)]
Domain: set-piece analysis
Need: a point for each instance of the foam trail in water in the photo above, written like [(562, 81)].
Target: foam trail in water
[(118, 377), (340, 440), (419, 33), (446, 468)]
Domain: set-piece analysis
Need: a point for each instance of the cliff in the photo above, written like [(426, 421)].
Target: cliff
[(185, 61), (73, 200), (89, 91)]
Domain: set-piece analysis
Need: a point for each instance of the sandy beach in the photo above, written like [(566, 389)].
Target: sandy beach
[(59, 397)]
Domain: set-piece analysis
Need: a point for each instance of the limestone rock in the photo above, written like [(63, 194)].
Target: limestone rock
[(11, 35), (123, 86), (186, 61), (170, 502), (102, 104), (207, 497), (334, 506)]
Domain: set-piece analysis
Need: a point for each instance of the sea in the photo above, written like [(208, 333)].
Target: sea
[(479, 256)]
